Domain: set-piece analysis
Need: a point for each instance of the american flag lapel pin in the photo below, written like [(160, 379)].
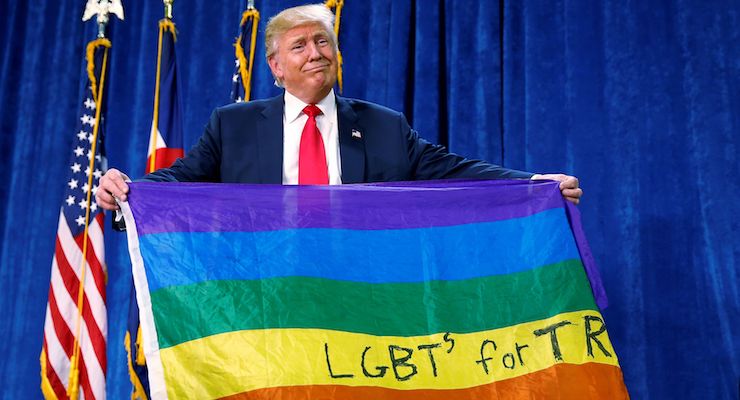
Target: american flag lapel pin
[(356, 134)]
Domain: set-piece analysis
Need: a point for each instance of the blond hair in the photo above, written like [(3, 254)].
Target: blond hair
[(297, 16)]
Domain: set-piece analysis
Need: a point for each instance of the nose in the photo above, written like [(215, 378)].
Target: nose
[(313, 51)]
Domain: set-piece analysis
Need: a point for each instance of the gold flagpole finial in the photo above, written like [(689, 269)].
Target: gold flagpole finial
[(102, 8), (168, 8)]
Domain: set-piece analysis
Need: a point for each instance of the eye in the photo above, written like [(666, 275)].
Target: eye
[(323, 41), (297, 47)]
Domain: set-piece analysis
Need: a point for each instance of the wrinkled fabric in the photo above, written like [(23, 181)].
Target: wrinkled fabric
[(245, 290)]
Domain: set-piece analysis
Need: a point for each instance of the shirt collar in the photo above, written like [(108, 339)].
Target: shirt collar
[(294, 106)]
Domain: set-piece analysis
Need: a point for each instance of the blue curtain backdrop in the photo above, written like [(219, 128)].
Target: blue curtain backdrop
[(639, 99)]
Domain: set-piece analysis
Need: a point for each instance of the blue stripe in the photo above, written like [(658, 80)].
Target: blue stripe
[(381, 256)]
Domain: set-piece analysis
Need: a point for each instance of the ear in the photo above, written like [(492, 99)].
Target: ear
[(275, 67)]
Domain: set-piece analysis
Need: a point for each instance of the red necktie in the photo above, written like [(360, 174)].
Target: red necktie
[(312, 169)]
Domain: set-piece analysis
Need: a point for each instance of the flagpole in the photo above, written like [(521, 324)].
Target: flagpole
[(155, 117), (102, 9), (246, 64), (164, 24), (73, 387), (165, 132)]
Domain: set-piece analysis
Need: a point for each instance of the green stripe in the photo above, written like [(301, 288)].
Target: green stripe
[(185, 313)]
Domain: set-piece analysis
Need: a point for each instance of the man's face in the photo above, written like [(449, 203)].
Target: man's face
[(306, 62)]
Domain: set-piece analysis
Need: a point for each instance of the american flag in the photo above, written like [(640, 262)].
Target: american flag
[(70, 330)]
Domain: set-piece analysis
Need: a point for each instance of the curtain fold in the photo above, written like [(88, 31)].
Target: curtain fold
[(638, 99), (473, 84)]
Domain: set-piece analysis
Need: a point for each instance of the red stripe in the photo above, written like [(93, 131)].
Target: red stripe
[(85, 380), (166, 156), (56, 384), (72, 284), (96, 263), (96, 337), (66, 340), (92, 259), (561, 381)]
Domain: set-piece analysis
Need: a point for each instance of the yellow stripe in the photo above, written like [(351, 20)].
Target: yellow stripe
[(236, 362)]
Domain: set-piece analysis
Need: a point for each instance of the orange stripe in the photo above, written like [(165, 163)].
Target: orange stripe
[(561, 381)]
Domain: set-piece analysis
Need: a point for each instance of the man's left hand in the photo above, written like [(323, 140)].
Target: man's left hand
[(568, 185)]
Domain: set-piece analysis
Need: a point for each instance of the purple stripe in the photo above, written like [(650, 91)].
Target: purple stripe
[(589, 263), (180, 207)]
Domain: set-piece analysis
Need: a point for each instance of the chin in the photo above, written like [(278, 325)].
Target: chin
[(322, 82)]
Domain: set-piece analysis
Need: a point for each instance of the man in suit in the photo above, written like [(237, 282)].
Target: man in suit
[(310, 136)]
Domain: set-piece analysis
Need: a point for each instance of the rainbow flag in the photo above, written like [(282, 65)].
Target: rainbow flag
[(423, 290)]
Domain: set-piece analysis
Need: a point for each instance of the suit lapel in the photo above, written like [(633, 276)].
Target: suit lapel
[(270, 142), (351, 143)]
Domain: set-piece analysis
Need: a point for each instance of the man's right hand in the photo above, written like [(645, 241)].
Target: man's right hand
[(112, 186)]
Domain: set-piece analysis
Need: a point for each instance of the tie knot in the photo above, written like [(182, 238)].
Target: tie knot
[(312, 111)]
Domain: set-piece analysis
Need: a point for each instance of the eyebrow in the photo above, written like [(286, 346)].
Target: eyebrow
[(302, 38)]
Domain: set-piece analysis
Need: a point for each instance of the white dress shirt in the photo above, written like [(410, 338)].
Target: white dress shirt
[(293, 122)]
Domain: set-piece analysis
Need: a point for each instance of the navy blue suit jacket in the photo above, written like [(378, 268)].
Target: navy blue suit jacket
[(243, 143)]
